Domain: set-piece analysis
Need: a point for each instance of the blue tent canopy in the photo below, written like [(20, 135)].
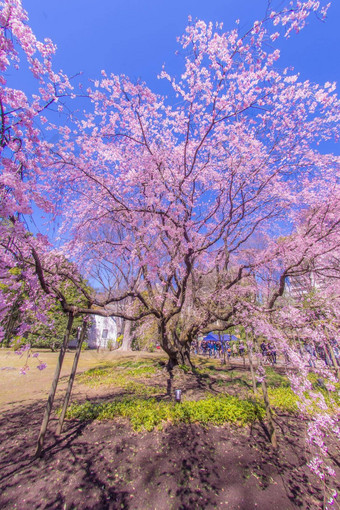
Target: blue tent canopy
[(213, 337)]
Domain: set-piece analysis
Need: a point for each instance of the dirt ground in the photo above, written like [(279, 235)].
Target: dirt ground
[(106, 465)]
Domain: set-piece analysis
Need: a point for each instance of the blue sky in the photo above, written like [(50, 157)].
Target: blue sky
[(135, 37)]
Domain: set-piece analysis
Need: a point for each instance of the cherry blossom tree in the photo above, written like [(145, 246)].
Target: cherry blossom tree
[(175, 191), (181, 208), (296, 308), (22, 154)]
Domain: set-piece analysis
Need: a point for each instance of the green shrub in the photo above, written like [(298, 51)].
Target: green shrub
[(17, 342), (141, 389), (110, 344), (118, 374), (221, 382), (283, 399), (122, 376)]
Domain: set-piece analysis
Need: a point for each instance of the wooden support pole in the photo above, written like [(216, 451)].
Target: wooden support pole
[(250, 358), (81, 336), (222, 347), (272, 432), (51, 395), (269, 414)]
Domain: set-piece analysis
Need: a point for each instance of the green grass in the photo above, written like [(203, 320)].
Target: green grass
[(119, 374), (141, 389), (132, 376), (148, 414), (275, 380), (283, 399)]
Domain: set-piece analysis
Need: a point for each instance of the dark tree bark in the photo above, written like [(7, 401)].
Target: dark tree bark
[(334, 360), (178, 357), (177, 349)]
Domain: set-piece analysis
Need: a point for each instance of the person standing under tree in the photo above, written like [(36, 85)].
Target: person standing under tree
[(272, 353), (234, 350)]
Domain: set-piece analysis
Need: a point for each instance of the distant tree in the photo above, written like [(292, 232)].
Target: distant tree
[(44, 328), (51, 335)]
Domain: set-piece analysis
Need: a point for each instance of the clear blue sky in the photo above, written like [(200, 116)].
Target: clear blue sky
[(135, 37)]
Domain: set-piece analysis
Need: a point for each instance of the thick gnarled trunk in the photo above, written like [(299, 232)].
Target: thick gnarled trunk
[(181, 356), (177, 349)]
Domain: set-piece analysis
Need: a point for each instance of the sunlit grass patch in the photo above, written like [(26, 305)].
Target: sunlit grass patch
[(141, 389), (119, 374), (284, 399), (135, 365), (145, 371), (276, 380), (102, 378), (208, 365), (149, 413)]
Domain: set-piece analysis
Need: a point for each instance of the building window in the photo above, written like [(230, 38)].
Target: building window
[(104, 333)]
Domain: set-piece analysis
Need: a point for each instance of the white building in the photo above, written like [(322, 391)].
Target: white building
[(101, 331), (299, 286)]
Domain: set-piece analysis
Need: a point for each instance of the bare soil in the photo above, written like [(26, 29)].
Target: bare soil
[(106, 465)]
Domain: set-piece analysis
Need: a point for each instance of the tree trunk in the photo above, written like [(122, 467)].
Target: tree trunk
[(335, 361), (224, 360), (250, 358), (127, 337), (51, 395), (180, 356), (120, 325), (81, 337)]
